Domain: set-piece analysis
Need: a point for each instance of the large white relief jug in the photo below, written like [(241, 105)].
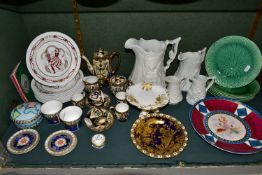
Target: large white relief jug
[(149, 63)]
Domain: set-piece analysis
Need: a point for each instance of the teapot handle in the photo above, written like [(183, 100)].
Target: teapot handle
[(211, 82), (115, 55), (172, 52), (89, 66)]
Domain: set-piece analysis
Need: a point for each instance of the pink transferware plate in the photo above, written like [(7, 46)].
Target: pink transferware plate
[(53, 59), (228, 125)]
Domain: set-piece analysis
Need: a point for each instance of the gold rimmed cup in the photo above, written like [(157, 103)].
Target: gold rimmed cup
[(51, 110), (71, 117), (91, 83)]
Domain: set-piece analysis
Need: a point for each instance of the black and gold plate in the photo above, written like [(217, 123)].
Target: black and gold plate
[(159, 135)]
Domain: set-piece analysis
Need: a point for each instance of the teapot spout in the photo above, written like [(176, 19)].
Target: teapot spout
[(88, 64)]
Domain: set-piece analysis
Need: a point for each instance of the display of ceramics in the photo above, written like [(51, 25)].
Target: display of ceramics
[(53, 59), (23, 141), (189, 67), (27, 115), (159, 135), (60, 143), (245, 93), (147, 96), (228, 125), (235, 61), (99, 119), (102, 64), (62, 96), (149, 65)]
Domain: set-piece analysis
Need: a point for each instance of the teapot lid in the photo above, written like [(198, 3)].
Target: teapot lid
[(100, 53)]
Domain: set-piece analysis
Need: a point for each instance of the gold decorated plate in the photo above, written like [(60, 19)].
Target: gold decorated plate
[(159, 135)]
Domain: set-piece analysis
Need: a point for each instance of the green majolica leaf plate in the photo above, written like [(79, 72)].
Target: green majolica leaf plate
[(234, 60), (248, 92)]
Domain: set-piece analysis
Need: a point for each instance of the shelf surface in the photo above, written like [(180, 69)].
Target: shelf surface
[(120, 151)]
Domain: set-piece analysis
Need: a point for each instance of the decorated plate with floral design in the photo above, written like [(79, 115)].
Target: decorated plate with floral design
[(147, 96), (60, 143), (159, 135), (228, 125), (53, 59), (23, 141)]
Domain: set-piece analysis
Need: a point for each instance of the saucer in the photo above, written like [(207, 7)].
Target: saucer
[(23, 141), (60, 143)]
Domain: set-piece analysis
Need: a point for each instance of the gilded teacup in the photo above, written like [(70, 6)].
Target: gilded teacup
[(71, 116), (51, 110)]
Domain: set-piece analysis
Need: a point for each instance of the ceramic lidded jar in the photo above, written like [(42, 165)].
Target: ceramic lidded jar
[(118, 83)]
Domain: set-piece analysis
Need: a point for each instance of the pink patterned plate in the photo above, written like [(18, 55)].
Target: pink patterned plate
[(228, 125), (53, 59)]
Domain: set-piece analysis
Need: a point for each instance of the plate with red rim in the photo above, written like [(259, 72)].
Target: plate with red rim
[(53, 59), (228, 125)]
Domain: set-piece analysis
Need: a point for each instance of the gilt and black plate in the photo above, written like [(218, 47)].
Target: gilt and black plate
[(61, 143), (159, 135), (23, 141)]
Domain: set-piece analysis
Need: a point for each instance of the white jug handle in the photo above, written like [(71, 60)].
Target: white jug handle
[(211, 82), (172, 52)]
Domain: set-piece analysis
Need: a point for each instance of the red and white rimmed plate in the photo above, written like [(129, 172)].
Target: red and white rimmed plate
[(228, 125), (53, 59)]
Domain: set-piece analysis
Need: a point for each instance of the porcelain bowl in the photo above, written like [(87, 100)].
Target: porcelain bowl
[(27, 115)]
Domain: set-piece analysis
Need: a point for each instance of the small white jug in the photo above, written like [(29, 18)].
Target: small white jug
[(173, 88), (198, 89)]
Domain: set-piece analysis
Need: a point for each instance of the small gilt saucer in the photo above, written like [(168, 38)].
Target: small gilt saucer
[(23, 141), (60, 143)]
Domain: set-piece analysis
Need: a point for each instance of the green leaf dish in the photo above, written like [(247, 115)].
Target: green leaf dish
[(235, 61), (249, 92)]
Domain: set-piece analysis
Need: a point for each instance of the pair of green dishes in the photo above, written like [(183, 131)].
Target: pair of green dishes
[(235, 61)]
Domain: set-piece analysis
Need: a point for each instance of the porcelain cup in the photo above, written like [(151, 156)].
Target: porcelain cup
[(121, 111), (120, 97), (78, 99), (71, 116), (51, 110), (91, 83)]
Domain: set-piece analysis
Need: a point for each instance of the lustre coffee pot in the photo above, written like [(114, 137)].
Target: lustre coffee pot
[(102, 64)]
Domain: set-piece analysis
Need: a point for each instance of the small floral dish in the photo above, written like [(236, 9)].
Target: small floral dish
[(60, 143), (159, 135), (27, 115), (147, 96), (228, 125), (23, 141)]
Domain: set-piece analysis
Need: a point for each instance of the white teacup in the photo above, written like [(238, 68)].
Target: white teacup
[(121, 97), (51, 110), (71, 116)]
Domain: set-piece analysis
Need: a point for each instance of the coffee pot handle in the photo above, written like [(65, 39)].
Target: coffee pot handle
[(211, 82), (115, 55)]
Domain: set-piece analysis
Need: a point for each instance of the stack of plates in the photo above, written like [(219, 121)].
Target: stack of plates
[(235, 61), (63, 94), (53, 59)]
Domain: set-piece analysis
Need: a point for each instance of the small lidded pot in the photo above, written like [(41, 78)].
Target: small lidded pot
[(71, 116), (91, 83), (118, 83), (78, 99), (51, 110), (98, 141)]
